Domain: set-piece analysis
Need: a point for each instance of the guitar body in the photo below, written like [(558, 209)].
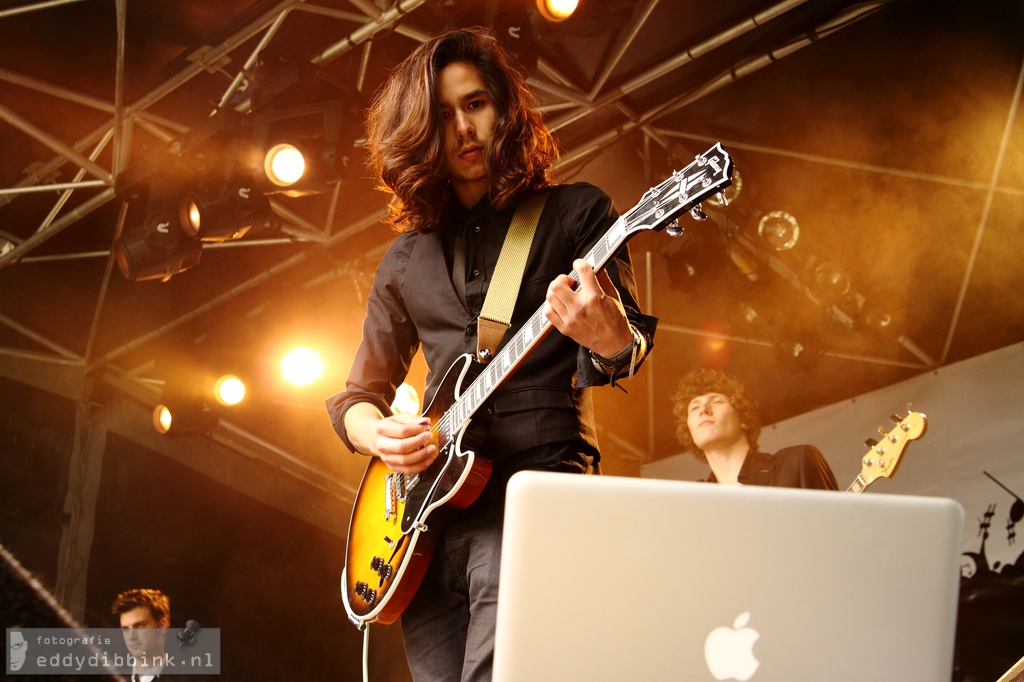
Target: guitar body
[(390, 541)]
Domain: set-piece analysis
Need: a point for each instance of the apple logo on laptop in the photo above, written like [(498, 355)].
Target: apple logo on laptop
[(729, 652)]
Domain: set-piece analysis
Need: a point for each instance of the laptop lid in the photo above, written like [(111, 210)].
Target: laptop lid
[(613, 578)]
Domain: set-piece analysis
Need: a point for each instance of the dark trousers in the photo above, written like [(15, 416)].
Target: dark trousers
[(449, 625)]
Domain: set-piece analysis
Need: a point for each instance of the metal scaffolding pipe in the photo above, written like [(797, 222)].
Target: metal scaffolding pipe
[(742, 69), (54, 144), (55, 187), (38, 338), (684, 57), (357, 37), (56, 227), (32, 8)]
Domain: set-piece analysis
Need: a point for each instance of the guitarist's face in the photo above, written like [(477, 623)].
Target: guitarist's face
[(468, 115), (714, 422)]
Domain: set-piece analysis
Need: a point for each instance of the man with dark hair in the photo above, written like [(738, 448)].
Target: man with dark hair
[(717, 421), (456, 139), (144, 617)]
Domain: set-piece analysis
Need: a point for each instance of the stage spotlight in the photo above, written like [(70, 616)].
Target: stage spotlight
[(304, 126), (223, 212), (284, 164), (183, 418), (194, 391), (829, 283), (875, 318), (795, 355), (162, 419), (779, 230), (748, 314), (301, 150), (156, 248), (229, 390), (301, 367), (557, 10), (300, 166)]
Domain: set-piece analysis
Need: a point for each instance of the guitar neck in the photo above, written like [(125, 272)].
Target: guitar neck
[(710, 173), (529, 335), (858, 485)]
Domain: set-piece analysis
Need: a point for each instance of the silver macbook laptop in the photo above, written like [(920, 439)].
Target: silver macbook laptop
[(611, 578)]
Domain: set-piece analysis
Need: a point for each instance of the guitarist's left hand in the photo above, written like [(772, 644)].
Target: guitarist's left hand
[(591, 314)]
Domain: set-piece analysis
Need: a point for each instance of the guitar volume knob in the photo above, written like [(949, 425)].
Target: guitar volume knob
[(378, 566), (364, 592)]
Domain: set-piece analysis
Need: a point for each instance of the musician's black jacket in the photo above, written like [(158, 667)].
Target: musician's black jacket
[(414, 304), (798, 466)]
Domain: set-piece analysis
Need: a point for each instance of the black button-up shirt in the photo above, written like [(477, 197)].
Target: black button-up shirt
[(414, 304)]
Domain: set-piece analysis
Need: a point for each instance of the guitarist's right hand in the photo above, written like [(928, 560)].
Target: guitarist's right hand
[(403, 442)]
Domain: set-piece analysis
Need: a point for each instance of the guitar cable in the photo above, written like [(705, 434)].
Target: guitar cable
[(366, 652)]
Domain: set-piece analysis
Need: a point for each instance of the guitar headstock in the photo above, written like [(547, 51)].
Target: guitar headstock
[(884, 457), (706, 176)]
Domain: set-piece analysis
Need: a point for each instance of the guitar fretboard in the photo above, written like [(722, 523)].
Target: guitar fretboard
[(858, 485), (658, 207)]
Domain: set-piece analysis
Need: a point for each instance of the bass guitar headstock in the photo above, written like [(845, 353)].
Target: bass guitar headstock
[(884, 455)]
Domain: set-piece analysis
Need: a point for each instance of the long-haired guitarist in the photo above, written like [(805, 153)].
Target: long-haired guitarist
[(457, 141), (717, 420)]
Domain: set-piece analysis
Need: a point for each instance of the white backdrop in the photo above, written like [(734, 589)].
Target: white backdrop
[(974, 411)]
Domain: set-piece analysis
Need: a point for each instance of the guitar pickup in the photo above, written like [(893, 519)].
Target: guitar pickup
[(390, 497), (395, 491), (365, 592), (402, 487)]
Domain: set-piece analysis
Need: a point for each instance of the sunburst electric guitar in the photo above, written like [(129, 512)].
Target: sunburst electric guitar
[(884, 456), (395, 516)]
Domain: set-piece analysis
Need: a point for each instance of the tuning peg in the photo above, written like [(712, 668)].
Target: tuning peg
[(697, 214), (721, 198), (883, 431), (674, 229), (870, 442), (895, 418)]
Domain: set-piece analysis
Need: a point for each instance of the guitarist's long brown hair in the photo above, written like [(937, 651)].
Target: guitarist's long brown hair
[(406, 138)]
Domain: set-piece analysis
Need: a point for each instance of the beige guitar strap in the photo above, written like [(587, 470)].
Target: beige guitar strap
[(508, 275)]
